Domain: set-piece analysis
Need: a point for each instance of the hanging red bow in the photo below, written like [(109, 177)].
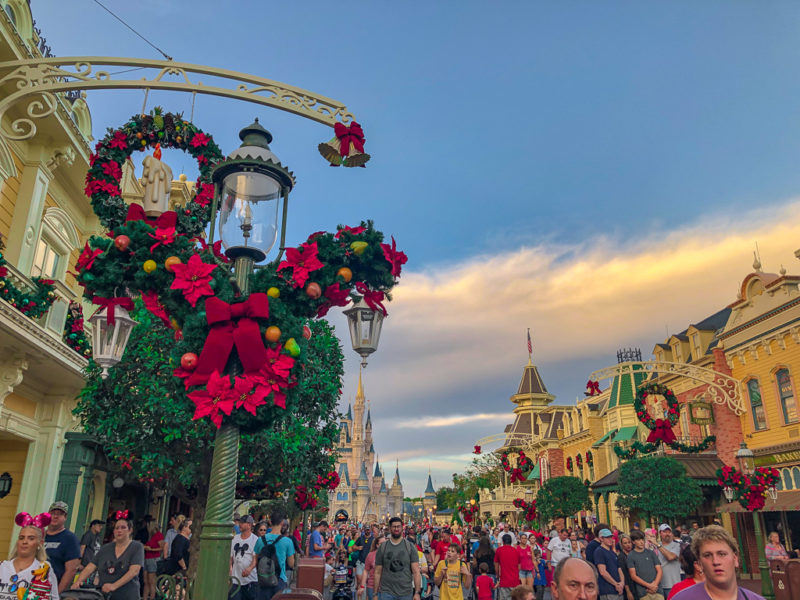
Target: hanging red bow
[(477, 450), (164, 220), (516, 475), (349, 135), (662, 432), (111, 304), (232, 324), (592, 388), (373, 299)]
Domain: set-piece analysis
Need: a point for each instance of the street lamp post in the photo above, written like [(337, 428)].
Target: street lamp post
[(746, 461)]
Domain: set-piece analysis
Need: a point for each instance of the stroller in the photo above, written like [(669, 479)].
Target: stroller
[(83, 594), (343, 582)]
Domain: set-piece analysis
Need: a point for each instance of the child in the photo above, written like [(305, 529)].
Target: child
[(540, 574), (484, 583)]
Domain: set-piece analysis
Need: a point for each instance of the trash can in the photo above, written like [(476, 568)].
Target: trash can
[(781, 584), (310, 573), (792, 569)]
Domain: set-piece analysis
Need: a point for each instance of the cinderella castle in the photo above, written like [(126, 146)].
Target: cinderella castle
[(363, 491)]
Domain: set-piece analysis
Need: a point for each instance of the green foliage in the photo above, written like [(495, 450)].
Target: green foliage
[(143, 419), (658, 486), (74, 334), (33, 304), (562, 497), (485, 472)]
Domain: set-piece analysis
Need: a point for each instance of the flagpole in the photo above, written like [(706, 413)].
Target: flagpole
[(530, 348)]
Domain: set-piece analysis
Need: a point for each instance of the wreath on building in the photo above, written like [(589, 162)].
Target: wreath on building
[(589, 458), (579, 460), (569, 464), (660, 428), (524, 464)]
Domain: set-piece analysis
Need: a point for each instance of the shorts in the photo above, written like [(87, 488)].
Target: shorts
[(150, 565), (525, 574), (504, 593), (359, 568)]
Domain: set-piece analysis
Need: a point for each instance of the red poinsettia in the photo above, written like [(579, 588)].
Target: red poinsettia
[(396, 259), (151, 303), (164, 236), (120, 140), (112, 169), (3, 271), (335, 296), (86, 259), (274, 375), (302, 260), (242, 387), (199, 139), (100, 185), (350, 230), (205, 194), (92, 159), (315, 235), (193, 279), (216, 248), (216, 399), (182, 373)]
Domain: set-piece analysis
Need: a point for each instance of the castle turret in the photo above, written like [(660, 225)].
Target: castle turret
[(362, 493), (429, 499)]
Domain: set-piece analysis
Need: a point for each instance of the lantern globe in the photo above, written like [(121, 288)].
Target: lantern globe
[(746, 459), (109, 339), (365, 329)]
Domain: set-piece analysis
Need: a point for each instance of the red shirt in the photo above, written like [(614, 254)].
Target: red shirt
[(153, 543), (442, 548), (679, 587), (484, 584), (508, 559)]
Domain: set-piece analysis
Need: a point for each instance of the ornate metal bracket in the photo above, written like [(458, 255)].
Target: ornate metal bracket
[(722, 388), (44, 77)]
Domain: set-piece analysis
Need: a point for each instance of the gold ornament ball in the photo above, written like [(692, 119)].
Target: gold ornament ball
[(149, 266), (274, 292)]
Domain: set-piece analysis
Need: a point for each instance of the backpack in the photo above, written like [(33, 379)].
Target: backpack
[(268, 567)]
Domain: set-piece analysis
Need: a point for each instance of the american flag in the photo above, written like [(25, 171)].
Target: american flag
[(530, 344)]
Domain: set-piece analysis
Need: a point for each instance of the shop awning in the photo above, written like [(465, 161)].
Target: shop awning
[(534, 476), (603, 439), (625, 433), (786, 501)]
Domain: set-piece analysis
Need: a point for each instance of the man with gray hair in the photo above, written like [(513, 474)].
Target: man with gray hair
[(574, 579)]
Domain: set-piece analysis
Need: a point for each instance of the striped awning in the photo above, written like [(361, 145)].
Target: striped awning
[(786, 501)]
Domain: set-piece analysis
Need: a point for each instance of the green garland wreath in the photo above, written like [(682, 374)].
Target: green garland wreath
[(648, 448), (74, 333), (33, 305)]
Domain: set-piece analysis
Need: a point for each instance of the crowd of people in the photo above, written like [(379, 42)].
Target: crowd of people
[(389, 561)]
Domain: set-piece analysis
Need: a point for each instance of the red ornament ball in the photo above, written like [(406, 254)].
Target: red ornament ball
[(307, 332), (313, 290), (189, 361), (122, 242)]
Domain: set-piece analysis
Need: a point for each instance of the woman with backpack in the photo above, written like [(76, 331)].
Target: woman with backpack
[(275, 555)]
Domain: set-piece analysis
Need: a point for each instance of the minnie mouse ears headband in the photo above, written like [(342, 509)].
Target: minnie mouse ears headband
[(40, 521), (121, 514)]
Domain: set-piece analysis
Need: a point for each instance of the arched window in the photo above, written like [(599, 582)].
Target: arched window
[(786, 395), (756, 406), (10, 13), (785, 480), (796, 477)]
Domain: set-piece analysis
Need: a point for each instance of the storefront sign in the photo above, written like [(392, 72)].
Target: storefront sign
[(777, 458), (701, 413), (5, 485)]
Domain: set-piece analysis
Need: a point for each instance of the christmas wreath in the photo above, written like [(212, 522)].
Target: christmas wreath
[(569, 464), (74, 334), (579, 461), (749, 492), (186, 283), (589, 458), (523, 464), (32, 304)]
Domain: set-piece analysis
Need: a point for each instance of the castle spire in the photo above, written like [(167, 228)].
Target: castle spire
[(360, 389), (429, 489)]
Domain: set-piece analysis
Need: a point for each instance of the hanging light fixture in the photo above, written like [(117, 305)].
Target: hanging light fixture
[(365, 329), (110, 336), (728, 491)]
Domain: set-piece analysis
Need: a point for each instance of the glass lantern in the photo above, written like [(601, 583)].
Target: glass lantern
[(746, 459), (109, 340), (773, 492), (728, 491), (365, 329)]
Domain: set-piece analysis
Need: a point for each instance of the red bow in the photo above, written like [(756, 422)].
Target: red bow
[(110, 304), (373, 299), (232, 324), (662, 432), (477, 450), (121, 514), (516, 475), (136, 213), (349, 135), (592, 388)]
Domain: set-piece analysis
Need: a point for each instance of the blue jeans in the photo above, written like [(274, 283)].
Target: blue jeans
[(266, 593), (385, 596)]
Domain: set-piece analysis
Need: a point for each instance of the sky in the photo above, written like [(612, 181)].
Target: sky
[(597, 171)]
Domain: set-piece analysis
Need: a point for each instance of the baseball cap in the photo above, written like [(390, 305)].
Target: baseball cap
[(605, 533), (246, 519), (664, 527), (59, 505)]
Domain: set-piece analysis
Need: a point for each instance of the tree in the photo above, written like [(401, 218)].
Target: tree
[(484, 472), (562, 497), (446, 497), (657, 486)]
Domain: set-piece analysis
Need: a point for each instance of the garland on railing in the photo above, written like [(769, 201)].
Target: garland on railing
[(74, 334), (33, 305), (749, 492), (647, 448)]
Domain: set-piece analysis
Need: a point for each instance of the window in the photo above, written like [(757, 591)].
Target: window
[(46, 261), (685, 420), (786, 395), (676, 352), (11, 15), (759, 417), (696, 346), (796, 477)]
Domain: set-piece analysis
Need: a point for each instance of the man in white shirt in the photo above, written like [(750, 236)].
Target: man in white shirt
[(668, 553), (244, 559), (559, 547)]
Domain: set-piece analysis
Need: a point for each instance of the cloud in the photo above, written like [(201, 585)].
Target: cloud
[(427, 422), (454, 342)]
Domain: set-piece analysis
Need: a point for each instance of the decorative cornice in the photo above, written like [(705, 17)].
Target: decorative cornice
[(760, 319)]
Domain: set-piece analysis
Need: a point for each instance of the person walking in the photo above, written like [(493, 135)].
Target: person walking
[(540, 578), (452, 575), (610, 578), (525, 551), (367, 583), (62, 546), (243, 561), (174, 521), (559, 547), (644, 568), (718, 555), (284, 551), (506, 565), (91, 541), (153, 549), (317, 544), (594, 544), (397, 575), (27, 560), (117, 563), (668, 552)]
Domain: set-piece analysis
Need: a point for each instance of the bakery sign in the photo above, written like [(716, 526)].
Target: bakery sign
[(777, 458), (701, 412)]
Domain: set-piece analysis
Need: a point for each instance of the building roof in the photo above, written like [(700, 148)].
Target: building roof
[(429, 489), (377, 472), (623, 387), (369, 419), (531, 382), (701, 467), (397, 475), (344, 474), (362, 476), (383, 485), (349, 412), (714, 322), (360, 389)]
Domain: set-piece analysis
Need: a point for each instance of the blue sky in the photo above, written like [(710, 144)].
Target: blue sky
[(543, 164)]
